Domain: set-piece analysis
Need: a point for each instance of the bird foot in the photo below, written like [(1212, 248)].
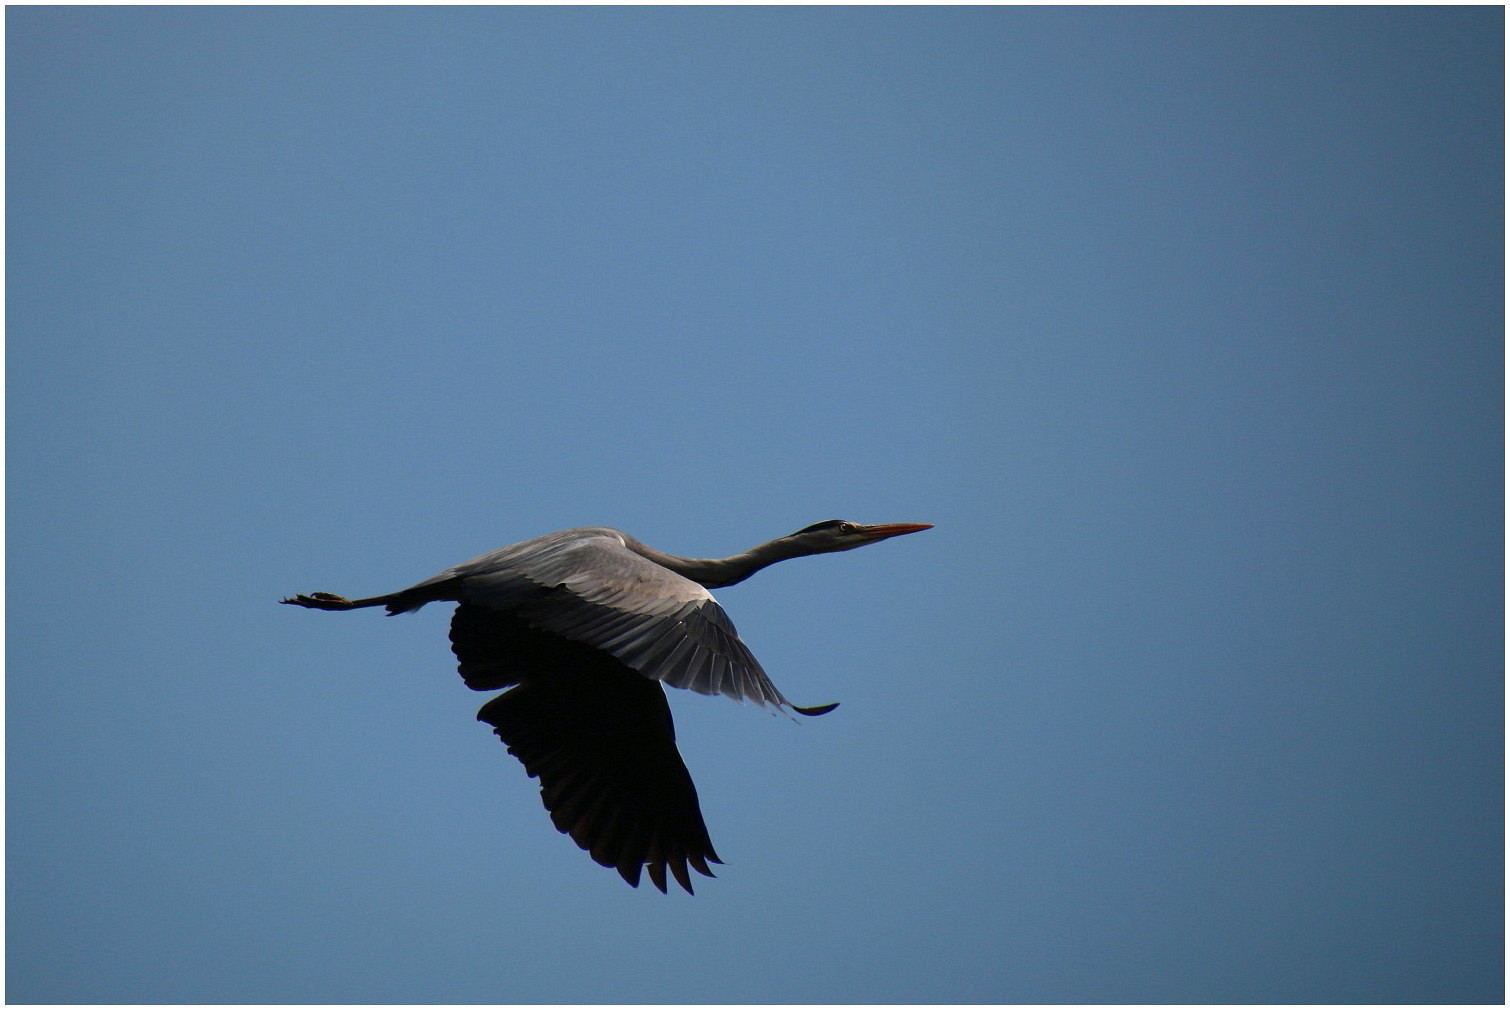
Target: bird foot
[(319, 601)]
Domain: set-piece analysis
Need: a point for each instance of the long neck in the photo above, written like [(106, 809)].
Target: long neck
[(715, 572)]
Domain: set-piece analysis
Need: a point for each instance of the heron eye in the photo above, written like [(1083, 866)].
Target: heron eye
[(846, 527)]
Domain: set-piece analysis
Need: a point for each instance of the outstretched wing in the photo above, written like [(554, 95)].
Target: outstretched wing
[(586, 586), (600, 739)]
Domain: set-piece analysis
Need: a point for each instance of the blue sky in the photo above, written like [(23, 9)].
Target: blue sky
[(1183, 326)]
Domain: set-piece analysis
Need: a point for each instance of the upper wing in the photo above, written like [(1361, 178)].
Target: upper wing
[(600, 739), (587, 587)]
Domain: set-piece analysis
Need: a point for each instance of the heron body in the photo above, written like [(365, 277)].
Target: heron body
[(582, 627)]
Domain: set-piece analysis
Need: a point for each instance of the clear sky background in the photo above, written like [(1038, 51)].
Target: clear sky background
[(1184, 327)]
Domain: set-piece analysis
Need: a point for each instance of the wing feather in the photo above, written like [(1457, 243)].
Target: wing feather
[(600, 739), (587, 586)]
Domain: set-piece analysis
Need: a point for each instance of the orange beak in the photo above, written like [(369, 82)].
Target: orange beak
[(885, 530)]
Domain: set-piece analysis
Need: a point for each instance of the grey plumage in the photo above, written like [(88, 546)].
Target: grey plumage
[(589, 585), (577, 625)]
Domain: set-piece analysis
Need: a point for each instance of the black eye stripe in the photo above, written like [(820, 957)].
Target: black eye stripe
[(827, 524)]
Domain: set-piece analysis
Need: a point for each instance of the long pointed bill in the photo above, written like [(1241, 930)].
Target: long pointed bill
[(885, 530)]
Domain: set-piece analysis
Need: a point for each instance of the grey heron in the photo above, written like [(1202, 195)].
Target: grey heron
[(582, 627)]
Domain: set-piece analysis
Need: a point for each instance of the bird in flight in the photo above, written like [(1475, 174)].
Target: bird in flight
[(582, 627)]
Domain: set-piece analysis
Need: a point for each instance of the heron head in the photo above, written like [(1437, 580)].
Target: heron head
[(842, 535)]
